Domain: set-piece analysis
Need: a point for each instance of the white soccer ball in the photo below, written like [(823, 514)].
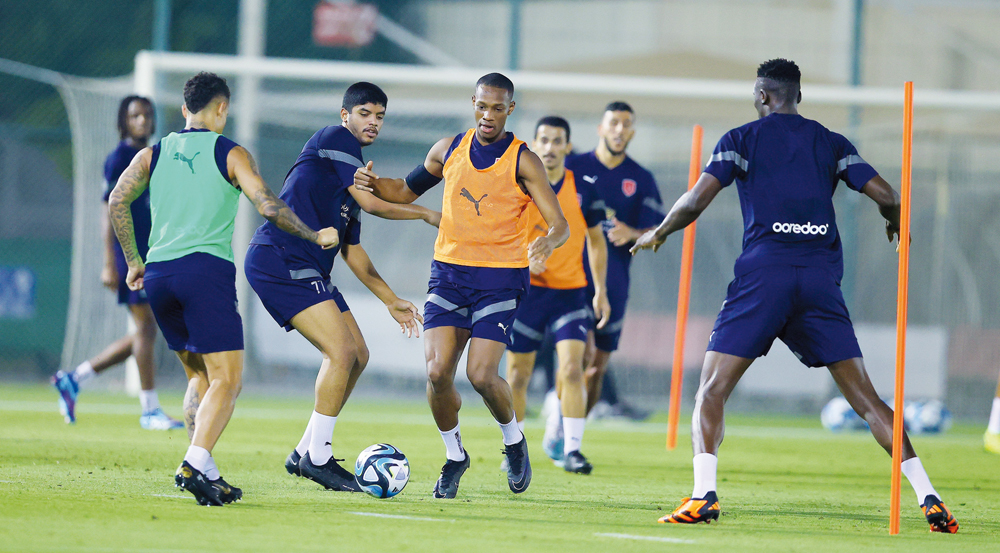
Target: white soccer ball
[(839, 416), (382, 470), (926, 417)]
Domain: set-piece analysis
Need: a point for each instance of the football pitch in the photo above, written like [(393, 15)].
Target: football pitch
[(786, 484)]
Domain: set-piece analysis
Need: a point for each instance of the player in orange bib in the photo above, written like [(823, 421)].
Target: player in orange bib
[(480, 268), (557, 301)]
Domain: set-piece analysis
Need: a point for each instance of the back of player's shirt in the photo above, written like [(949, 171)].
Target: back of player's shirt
[(786, 168), (316, 189)]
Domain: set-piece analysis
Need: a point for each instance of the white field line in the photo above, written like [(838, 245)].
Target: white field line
[(171, 496), (643, 538), (401, 517)]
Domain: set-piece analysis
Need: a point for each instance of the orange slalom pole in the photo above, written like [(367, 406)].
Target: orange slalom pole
[(902, 294), (683, 300)]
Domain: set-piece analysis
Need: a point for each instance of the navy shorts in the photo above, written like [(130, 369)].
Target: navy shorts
[(285, 293), (488, 314), (802, 306), (127, 296), (606, 339), (564, 313), (194, 301)]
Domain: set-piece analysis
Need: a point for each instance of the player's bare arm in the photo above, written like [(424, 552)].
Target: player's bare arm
[(396, 212), (395, 190), (244, 173), (109, 274), (888, 204), (404, 312), (131, 184), (535, 182), (684, 212), (597, 253)]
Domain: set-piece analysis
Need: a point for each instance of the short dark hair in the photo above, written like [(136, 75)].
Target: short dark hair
[(497, 80), (361, 93), (123, 114), (200, 90), (780, 70), (781, 78), (618, 105), (553, 121)]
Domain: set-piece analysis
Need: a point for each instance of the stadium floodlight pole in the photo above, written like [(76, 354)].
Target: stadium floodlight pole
[(683, 300), (902, 294)]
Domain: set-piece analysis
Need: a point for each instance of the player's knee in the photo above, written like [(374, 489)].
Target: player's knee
[(363, 355), (571, 374), (439, 376), (518, 377), (481, 382), (341, 355)]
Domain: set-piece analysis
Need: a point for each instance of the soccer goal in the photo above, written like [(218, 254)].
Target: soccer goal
[(278, 103)]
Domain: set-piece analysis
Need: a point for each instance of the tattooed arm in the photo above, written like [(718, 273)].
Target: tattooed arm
[(131, 184), (244, 173)]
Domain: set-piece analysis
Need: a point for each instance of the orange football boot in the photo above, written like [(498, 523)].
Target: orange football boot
[(938, 516), (693, 511)]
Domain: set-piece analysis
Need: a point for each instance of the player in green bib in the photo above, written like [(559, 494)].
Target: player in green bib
[(195, 177)]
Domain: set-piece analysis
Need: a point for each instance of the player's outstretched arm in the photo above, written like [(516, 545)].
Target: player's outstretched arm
[(531, 175), (888, 204), (396, 212), (597, 255), (131, 184), (109, 274), (404, 312), (244, 173), (686, 209), (405, 191)]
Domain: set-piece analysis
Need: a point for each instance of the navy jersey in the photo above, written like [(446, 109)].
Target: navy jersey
[(480, 278), (786, 168), (629, 194), (316, 189), (115, 164)]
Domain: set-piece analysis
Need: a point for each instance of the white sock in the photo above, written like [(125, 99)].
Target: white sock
[(212, 471), (573, 434), (520, 426), (554, 421), (453, 444), (994, 425), (83, 372), (705, 465), (198, 458), (321, 438), (915, 473), (303, 446), (511, 433), (150, 401)]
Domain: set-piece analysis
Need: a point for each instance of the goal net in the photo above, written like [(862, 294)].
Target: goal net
[(278, 103)]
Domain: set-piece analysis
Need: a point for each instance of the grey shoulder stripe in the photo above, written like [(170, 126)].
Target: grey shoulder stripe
[(337, 155), (849, 160), (730, 156), (651, 203)]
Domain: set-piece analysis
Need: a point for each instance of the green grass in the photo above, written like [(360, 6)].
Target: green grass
[(785, 485)]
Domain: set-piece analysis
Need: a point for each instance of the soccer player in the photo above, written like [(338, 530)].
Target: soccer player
[(195, 178), (136, 123), (787, 284), (557, 300), (480, 268), (633, 205), (292, 275), (991, 439)]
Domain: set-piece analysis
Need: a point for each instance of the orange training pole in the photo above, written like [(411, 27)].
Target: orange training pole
[(902, 293), (683, 297)]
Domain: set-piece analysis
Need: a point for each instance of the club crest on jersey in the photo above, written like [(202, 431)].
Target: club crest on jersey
[(629, 187)]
